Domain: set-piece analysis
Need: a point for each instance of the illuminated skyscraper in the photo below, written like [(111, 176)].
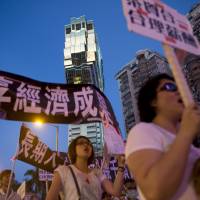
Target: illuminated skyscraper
[(83, 64)]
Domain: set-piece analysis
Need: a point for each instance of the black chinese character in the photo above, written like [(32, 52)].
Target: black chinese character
[(136, 18)]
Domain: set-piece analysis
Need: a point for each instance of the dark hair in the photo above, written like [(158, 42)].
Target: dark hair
[(72, 150), (6, 172), (191, 58), (146, 96)]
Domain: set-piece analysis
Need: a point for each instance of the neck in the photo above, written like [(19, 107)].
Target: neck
[(82, 165), (167, 123)]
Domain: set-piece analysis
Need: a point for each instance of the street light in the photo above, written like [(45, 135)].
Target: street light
[(57, 130), (39, 123)]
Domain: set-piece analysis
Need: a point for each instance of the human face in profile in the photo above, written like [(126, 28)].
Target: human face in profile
[(168, 100)]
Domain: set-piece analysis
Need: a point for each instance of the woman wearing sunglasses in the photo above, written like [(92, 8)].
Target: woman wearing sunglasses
[(159, 149), (77, 181)]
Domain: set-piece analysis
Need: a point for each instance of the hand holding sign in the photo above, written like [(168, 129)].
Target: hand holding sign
[(178, 76)]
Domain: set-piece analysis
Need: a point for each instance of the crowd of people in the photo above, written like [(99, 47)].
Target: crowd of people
[(159, 153)]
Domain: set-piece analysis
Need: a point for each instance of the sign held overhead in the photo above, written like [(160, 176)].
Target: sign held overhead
[(156, 20)]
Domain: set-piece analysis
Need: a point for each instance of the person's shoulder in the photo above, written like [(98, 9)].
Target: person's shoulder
[(141, 127), (63, 172), (143, 136), (137, 132), (62, 169), (144, 127)]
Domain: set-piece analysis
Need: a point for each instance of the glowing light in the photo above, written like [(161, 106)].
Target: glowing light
[(38, 122)]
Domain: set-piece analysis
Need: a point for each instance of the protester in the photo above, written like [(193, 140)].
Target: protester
[(159, 149), (89, 182), (4, 182)]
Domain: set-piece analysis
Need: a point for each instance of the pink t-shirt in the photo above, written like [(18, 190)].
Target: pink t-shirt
[(151, 136)]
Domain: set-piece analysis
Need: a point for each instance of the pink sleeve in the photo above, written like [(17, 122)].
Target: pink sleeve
[(143, 136)]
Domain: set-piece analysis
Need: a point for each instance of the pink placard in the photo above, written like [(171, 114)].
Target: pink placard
[(156, 20)]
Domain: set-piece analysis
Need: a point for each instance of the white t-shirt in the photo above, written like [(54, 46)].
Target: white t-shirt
[(89, 184), (150, 136)]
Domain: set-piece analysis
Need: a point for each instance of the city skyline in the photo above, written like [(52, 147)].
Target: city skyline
[(32, 43)]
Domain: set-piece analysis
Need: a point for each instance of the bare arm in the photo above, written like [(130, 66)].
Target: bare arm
[(116, 187), (160, 174), (55, 188)]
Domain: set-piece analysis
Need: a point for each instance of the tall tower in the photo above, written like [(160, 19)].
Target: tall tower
[(83, 64), (132, 76)]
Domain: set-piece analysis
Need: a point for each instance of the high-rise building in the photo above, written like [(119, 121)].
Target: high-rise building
[(194, 18), (132, 76), (191, 66), (191, 70), (83, 64)]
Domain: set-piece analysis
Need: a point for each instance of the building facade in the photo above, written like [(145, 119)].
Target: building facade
[(191, 66), (83, 64), (132, 76), (194, 18)]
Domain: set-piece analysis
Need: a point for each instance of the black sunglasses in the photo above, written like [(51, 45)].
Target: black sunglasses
[(170, 87)]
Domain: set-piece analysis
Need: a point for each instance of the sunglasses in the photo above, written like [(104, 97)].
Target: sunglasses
[(169, 87)]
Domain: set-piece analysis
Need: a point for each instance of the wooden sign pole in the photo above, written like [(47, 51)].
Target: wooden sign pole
[(178, 75)]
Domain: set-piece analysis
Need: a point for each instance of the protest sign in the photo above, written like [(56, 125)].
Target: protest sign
[(25, 99), (110, 170), (45, 175), (154, 19), (33, 151)]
